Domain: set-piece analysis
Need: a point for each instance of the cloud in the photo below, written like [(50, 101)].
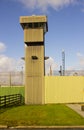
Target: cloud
[(2, 47), (80, 64), (20, 66), (81, 59), (82, 10), (48, 63), (79, 54), (44, 4), (8, 63)]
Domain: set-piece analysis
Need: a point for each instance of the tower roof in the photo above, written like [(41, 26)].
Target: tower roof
[(33, 19)]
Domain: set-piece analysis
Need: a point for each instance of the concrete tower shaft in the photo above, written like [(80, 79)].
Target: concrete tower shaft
[(34, 28)]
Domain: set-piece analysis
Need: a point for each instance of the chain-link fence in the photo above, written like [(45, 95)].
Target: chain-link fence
[(69, 73), (12, 78)]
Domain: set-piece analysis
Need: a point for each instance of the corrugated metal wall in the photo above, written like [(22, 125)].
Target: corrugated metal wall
[(64, 89)]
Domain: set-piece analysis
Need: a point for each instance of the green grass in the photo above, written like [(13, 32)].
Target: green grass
[(37, 114), (11, 90), (50, 115)]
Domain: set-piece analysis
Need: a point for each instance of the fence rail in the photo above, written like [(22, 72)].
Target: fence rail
[(10, 100)]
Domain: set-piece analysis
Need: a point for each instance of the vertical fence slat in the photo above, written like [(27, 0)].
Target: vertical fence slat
[(5, 101)]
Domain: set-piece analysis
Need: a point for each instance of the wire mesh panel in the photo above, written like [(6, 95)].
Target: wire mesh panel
[(69, 72), (11, 78)]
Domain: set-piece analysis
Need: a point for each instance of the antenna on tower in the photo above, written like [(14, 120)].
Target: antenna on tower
[(63, 62)]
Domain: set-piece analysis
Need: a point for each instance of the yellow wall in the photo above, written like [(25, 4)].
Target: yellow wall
[(64, 89)]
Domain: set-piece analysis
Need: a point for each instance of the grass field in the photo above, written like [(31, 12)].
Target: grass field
[(50, 115), (11, 90), (58, 114)]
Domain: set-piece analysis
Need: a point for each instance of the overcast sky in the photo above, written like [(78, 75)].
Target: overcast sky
[(65, 31)]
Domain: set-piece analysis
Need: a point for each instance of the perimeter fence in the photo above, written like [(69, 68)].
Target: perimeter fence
[(68, 73), (17, 78), (12, 78)]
